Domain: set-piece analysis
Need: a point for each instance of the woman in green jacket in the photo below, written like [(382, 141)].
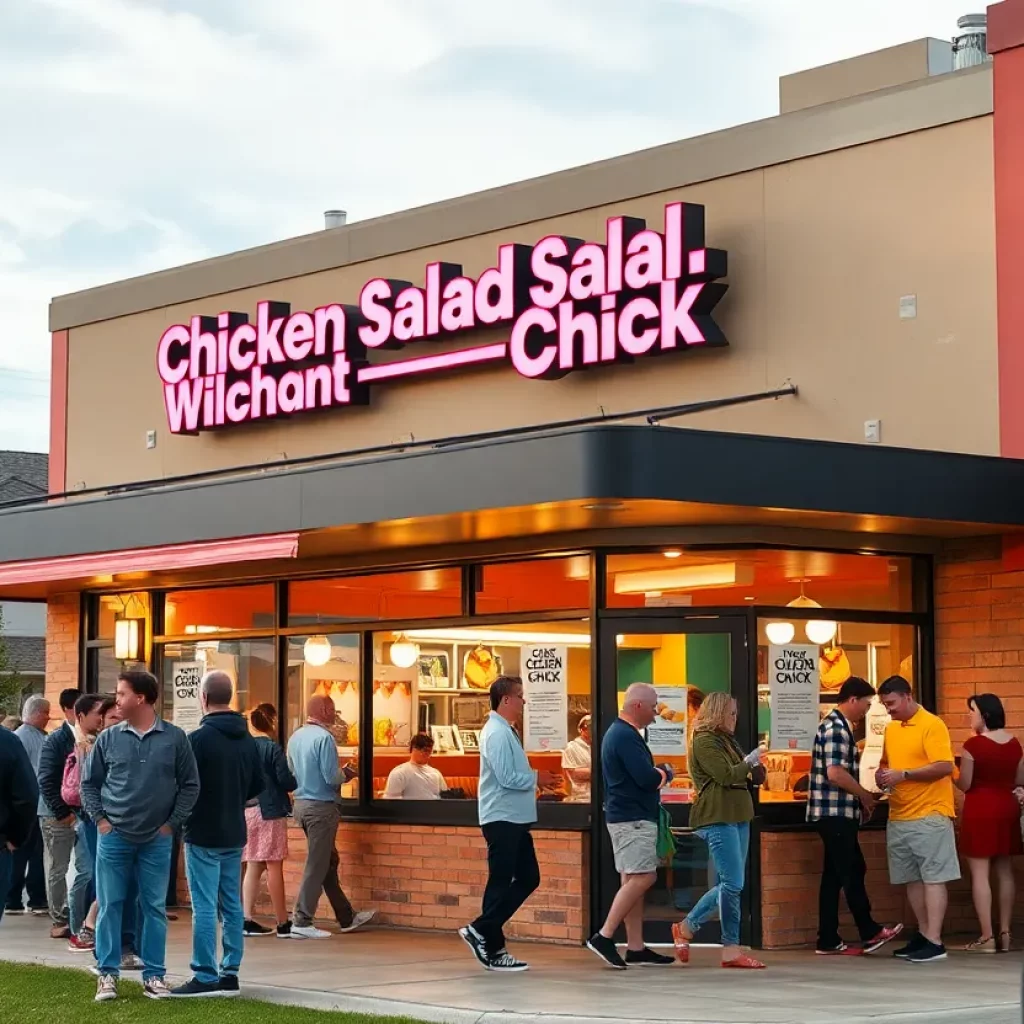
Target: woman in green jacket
[(721, 816)]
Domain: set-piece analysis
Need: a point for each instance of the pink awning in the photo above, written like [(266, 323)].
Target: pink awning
[(170, 556)]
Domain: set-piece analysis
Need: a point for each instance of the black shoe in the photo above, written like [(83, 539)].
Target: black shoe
[(928, 953), (472, 938), (837, 950), (912, 946), (606, 950), (229, 985), (14, 911), (647, 958), (284, 931), (196, 989), (252, 929)]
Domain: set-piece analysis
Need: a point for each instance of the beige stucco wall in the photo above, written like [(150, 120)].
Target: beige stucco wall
[(821, 250)]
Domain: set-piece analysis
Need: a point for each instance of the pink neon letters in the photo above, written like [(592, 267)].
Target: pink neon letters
[(565, 304)]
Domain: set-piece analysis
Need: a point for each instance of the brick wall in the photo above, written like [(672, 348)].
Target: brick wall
[(790, 873), (433, 878), (62, 630)]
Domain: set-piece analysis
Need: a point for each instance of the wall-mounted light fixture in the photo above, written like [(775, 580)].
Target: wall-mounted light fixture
[(129, 638)]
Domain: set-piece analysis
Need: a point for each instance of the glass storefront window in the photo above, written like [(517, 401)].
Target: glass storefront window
[(541, 584), (675, 577), (798, 681), (251, 664), (327, 665), (423, 594), (218, 610), (436, 683)]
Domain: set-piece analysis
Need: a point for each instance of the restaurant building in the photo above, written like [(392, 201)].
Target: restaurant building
[(737, 413)]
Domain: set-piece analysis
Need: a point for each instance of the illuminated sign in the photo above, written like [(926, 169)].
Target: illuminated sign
[(561, 305)]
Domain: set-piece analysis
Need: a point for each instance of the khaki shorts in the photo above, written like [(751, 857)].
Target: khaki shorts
[(922, 851), (635, 844)]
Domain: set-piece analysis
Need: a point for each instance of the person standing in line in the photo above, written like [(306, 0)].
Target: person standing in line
[(139, 784), (507, 805), (632, 805), (577, 763), (27, 869), (917, 772), (89, 722), (837, 803), (313, 760), (266, 821), (230, 775), (416, 779), (991, 767), (12, 723), (59, 821), (721, 816), (19, 804)]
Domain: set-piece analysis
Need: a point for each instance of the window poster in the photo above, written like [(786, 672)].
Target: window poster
[(546, 688), (794, 687), (666, 735), (185, 679)]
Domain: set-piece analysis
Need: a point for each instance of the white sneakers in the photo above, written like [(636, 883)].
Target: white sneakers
[(363, 918)]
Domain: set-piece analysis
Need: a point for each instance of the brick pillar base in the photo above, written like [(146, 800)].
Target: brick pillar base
[(62, 630)]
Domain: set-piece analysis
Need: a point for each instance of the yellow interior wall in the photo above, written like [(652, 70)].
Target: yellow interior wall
[(579, 671), (670, 661)]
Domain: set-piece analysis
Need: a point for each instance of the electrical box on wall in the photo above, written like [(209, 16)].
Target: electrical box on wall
[(873, 431), (150, 438)]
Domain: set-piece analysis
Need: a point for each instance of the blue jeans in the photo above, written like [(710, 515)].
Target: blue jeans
[(728, 845), (118, 863), (6, 868), (83, 889), (215, 881)]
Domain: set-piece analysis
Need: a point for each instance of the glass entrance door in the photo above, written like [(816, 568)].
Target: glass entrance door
[(685, 659)]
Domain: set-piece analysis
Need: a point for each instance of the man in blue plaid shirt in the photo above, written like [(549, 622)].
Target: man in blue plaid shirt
[(837, 804)]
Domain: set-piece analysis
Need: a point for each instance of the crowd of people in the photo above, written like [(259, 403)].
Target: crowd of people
[(114, 785)]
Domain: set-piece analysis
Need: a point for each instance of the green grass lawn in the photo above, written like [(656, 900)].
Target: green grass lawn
[(46, 995)]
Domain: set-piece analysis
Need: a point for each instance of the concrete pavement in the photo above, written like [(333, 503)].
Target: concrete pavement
[(434, 978)]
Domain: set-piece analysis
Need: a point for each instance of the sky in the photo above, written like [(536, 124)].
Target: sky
[(143, 134)]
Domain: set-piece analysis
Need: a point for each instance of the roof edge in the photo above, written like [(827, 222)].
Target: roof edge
[(813, 131)]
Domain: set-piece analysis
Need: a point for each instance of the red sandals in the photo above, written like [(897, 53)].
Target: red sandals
[(744, 963)]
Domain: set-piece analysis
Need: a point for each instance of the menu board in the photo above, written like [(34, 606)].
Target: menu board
[(186, 677), (794, 684), (666, 735), (546, 688)]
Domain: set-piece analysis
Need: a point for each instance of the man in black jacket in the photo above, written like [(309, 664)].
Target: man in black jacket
[(58, 824), (19, 802), (230, 775)]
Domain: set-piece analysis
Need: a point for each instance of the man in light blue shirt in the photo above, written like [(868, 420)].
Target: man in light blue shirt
[(313, 759), (507, 799)]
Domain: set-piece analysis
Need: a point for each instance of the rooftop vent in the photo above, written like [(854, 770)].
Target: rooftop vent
[(970, 44), (339, 218)]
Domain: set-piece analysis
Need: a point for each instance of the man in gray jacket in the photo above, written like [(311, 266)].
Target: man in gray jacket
[(140, 783)]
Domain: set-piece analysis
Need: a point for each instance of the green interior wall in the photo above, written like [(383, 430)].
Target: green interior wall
[(634, 666), (709, 662)]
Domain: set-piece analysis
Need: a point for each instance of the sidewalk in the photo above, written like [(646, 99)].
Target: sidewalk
[(434, 978)]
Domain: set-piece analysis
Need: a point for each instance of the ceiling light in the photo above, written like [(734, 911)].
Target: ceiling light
[(317, 651), (404, 652), (498, 636), (780, 632), (674, 553), (603, 506), (692, 577), (620, 640), (820, 631)]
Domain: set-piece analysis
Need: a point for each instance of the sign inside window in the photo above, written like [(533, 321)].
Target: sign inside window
[(561, 305), (794, 683)]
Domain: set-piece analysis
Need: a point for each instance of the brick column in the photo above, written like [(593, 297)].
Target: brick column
[(62, 633)]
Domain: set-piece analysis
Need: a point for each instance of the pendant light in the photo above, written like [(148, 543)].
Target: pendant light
[(779, 633), (317, 651), (404, 652), (819, 631)]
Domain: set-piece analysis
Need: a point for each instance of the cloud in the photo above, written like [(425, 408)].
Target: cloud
[(146, 133)]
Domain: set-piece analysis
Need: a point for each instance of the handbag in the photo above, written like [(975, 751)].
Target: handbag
[(758, 774), (71, 782), (666, 848)]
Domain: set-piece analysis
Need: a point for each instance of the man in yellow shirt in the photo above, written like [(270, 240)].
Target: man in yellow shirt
[(917, 772)]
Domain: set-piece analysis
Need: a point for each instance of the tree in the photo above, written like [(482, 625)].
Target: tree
[(12, 683)]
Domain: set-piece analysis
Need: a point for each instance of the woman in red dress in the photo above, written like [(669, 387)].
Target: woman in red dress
[(991, 766)]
